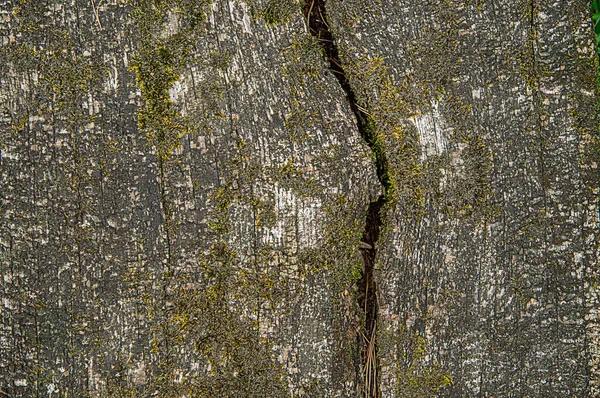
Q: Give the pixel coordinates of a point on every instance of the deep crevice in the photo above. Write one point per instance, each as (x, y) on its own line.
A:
(316, 16)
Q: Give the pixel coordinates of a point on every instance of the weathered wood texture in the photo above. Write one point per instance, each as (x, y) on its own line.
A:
(124, 272)
(196, 233)
(496, 267)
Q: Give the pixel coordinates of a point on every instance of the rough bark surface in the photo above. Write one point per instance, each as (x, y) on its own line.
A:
(495, 267)
(185, 186)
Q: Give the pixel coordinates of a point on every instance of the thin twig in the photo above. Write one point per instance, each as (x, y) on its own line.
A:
(323, 19)
(370, 366)
(308, 15)
(96, 13)
(366, 288)
(363, 110)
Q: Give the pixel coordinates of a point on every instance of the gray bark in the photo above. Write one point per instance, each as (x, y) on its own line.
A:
(197, 232)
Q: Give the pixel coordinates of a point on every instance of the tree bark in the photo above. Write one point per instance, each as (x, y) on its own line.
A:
(272, 198)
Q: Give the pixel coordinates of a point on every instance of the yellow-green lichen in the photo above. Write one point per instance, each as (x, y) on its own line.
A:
(279, 12)
(303, 62)
(387, 132)
(416, 376)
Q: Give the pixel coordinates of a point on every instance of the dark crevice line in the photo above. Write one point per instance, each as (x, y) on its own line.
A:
(316, 16)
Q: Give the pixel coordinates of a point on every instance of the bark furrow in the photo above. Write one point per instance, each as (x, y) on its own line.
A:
(316, 17)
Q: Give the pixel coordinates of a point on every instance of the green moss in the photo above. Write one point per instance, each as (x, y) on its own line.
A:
(279, 12)
(221, 335)
(220, 60)
(350, 13)
(289, 176)
(299, 120)
(213, 312)
(156, 70)
(158, 65)
(394, 145)
(595, 7)
(303, 62)
(416, 377)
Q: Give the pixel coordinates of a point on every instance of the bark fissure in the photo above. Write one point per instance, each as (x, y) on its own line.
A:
(316, 17)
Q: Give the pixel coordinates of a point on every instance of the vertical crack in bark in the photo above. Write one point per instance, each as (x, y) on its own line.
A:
(316, 17)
